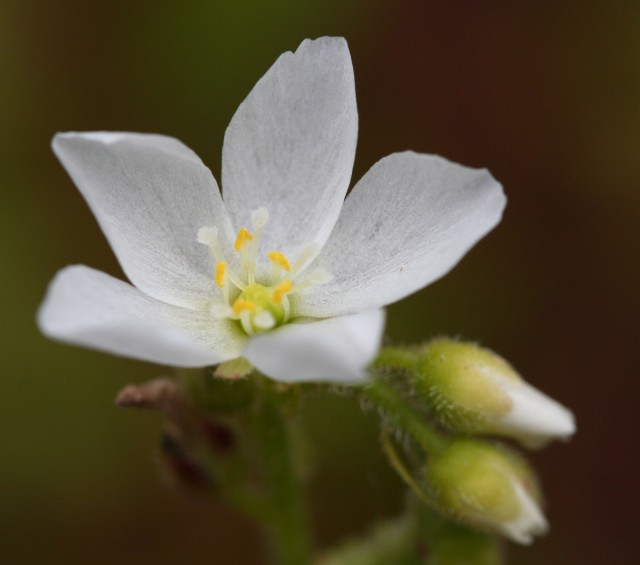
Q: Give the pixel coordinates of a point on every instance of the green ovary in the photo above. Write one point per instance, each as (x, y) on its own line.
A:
(254, 302)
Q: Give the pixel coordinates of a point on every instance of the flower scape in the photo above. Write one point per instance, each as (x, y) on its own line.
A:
(283, 273)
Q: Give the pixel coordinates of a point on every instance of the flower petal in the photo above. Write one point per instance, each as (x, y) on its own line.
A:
(405, 224)
(290, 146)
(150, 195)
(535, 419)
(529, 522)
(336, 349)
(86, 307)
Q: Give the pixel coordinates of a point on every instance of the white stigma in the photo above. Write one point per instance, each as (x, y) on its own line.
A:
(259, 218)
(207, 235)
(264, 320)
(220, 311)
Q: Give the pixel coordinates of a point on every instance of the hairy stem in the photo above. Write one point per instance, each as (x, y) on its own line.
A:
(402, 415)
(287, 521)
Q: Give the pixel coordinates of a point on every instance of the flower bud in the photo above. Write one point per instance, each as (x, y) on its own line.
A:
(489, 488)
(476, 391)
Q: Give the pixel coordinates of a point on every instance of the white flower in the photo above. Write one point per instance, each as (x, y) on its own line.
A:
(297, 290)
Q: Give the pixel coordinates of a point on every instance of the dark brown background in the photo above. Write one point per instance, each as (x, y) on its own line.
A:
(546, 97)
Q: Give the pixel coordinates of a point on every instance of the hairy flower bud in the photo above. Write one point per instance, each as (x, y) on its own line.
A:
(476, 391)
(487, 487)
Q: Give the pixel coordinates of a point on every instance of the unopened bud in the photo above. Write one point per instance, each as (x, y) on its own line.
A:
(489, 488)
(476, 391)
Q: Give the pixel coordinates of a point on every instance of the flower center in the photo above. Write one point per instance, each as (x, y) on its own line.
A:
(258, 306)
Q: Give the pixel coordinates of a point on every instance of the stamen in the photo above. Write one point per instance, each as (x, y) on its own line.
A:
(243, 246)
(308, 252)
(221, 279)
(264, 320)
(279, 260)
(236, 281)
(209, 237)
(244, 236)
(317, 277)
(241, 305)
(221, 274)
(259, 219)
(281, 290)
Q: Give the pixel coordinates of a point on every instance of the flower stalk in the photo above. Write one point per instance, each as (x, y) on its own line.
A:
(287, 519)
(260, 474)
(402, 415)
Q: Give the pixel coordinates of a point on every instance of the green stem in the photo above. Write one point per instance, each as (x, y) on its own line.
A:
(259, 412)
(400, 413)
(395, 358)
(287, 517)
(399, 466)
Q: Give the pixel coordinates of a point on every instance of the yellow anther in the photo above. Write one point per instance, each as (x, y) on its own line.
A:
(244, 236)
(283, 288)
(279, 259)
(241, 305)
(221, 273)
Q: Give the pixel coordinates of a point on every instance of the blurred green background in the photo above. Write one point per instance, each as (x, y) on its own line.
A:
(545, 96)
